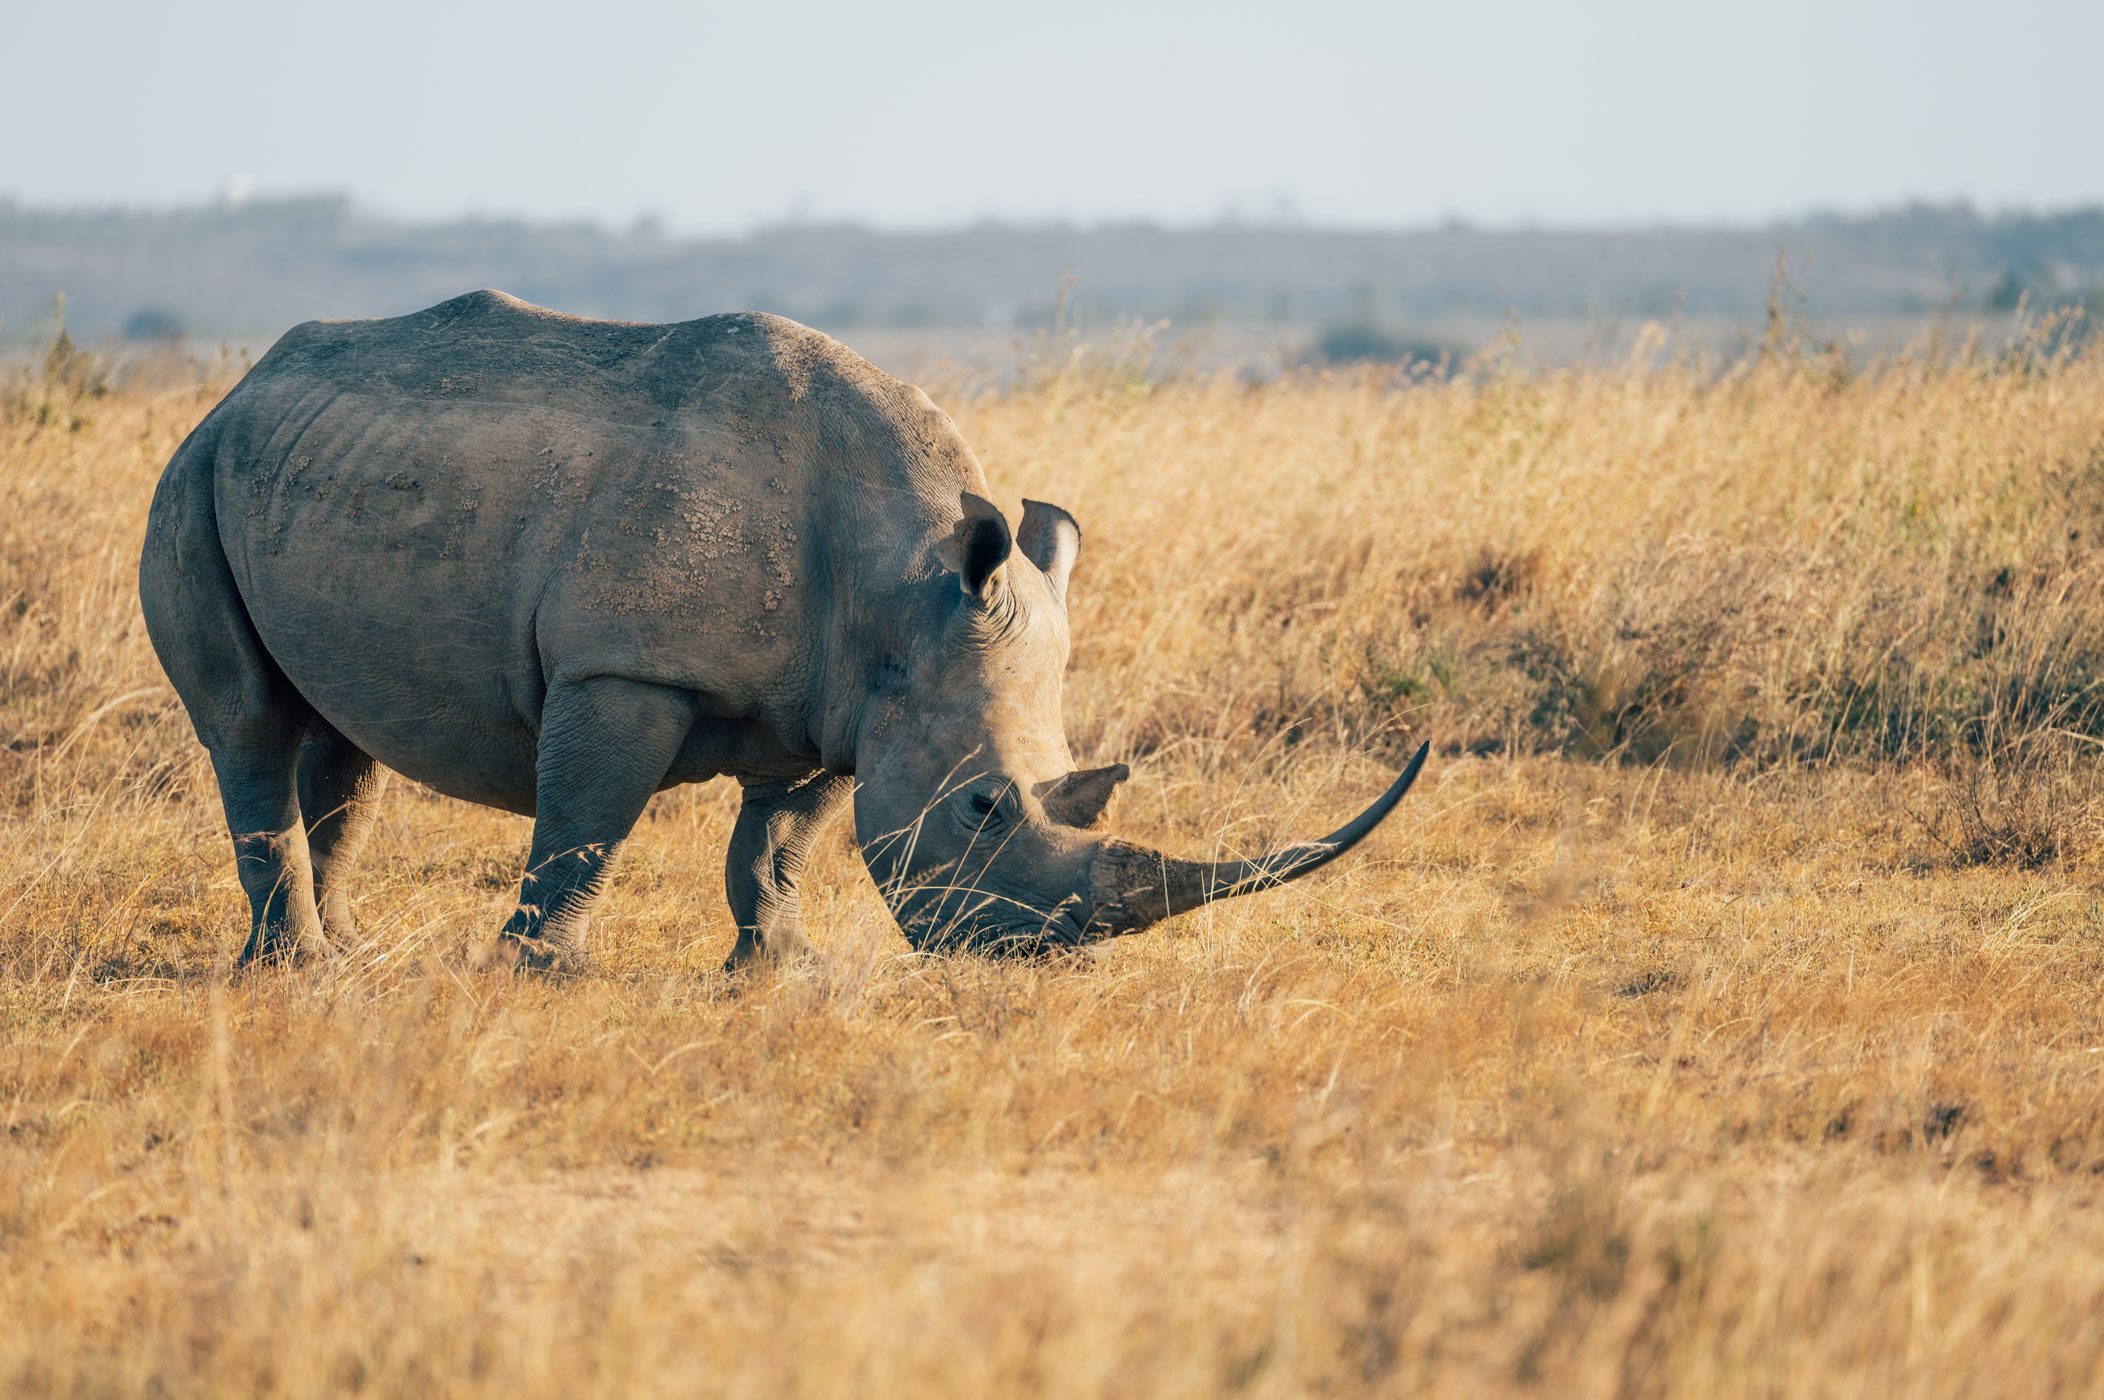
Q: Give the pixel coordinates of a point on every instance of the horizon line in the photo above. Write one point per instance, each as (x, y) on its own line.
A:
(656, 226)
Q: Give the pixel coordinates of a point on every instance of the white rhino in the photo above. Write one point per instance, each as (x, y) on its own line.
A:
(555, 565)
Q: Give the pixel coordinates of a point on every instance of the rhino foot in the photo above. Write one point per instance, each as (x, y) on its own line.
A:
(285, 951)
(779, 949)
(338, 925)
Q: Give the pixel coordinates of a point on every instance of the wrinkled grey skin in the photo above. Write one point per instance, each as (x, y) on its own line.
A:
(556, 565)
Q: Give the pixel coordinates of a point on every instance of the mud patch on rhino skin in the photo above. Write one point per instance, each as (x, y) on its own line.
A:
(689, 532)
(794, 358)
(706, 526)
(781, 552)
(457, 532)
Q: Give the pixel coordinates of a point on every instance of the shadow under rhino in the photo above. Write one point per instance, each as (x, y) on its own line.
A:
(556, 565)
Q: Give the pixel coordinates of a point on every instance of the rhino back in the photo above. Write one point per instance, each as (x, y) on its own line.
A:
(431, 517)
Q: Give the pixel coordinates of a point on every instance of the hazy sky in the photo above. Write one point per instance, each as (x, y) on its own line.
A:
(919, 112)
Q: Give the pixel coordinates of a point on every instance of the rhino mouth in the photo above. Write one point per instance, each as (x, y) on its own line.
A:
(999, 928)
(1017, 942)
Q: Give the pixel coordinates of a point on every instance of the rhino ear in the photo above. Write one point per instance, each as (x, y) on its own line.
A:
(1050, 539)
(978, 546)
(1080, 799)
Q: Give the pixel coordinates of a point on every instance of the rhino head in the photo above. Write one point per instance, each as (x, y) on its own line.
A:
(971, 815)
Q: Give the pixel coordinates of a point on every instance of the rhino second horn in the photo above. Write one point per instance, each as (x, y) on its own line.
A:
(1133, 887)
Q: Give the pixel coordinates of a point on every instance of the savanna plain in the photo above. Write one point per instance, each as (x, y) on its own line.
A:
(1722, 1014)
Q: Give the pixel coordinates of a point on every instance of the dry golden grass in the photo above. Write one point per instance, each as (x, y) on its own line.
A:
(1721, 1015)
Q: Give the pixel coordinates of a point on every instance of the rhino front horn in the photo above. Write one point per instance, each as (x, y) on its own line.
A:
(1132, 887)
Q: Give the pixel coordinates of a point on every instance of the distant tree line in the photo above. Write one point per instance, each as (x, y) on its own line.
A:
(247, 271)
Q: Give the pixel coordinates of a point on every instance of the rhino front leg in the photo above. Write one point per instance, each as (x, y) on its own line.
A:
(605, 746)
(777, 827)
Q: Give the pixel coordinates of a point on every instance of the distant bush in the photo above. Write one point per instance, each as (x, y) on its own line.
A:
(153, 325)
(2006, 293)
(1364, 342)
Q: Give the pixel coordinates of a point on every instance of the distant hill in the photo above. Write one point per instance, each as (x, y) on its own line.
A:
(245, 272)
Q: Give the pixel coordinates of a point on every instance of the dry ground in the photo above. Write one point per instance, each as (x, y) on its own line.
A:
(1721, 1015)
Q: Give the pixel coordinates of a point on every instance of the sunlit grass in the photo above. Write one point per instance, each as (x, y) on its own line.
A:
(1720, 1015)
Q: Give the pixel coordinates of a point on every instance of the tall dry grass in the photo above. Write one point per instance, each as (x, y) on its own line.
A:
(1721, 1015)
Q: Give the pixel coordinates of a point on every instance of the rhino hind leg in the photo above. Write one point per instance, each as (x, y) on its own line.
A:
(777, 827)
(257, 786)
(605, 746)
(340, 787)
(247, 715)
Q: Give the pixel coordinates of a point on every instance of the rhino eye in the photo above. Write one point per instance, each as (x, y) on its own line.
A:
(986, 806)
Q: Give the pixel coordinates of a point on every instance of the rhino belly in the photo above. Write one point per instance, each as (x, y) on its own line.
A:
(429, 690)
